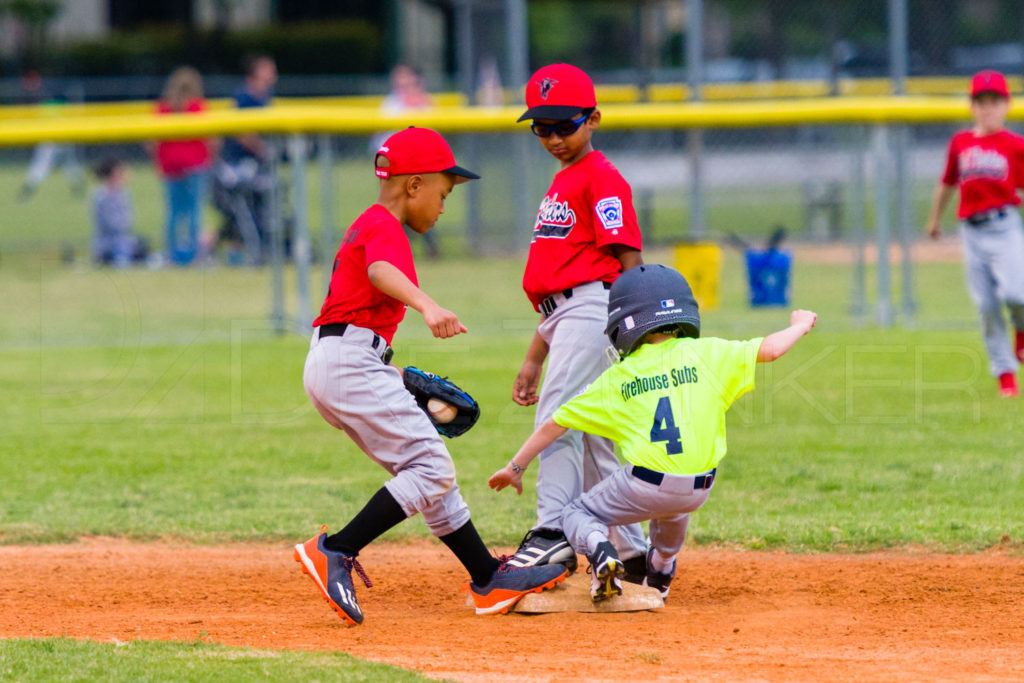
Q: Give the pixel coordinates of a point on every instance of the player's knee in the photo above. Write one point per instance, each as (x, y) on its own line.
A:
(445, 477)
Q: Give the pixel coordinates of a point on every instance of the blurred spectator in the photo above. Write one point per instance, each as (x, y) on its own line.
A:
(407, 93)
(242, 179)
(184, 166)
(48, 154)
(113, 243)
(489, 92)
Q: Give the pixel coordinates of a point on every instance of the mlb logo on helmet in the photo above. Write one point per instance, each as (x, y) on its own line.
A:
(668, 303)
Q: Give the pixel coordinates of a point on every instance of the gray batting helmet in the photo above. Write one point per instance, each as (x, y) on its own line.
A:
(646, 298)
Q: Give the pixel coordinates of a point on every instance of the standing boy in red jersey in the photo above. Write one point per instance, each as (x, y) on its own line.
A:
(585, 235)
(349, 379)
(987, 162)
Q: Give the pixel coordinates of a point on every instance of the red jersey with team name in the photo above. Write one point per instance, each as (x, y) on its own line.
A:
(988, 168)
(375, 236)
(588, 208)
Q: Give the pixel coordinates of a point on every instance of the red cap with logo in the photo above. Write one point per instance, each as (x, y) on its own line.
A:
(419, 150)
(558, 92)
(989, 81)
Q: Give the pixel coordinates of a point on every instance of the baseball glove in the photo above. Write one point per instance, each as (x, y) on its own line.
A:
(426, 385)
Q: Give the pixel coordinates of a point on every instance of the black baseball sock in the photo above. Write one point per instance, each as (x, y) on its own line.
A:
(472, 553)
(378, 515)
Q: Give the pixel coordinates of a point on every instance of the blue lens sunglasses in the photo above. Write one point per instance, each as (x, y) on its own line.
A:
(562, 129)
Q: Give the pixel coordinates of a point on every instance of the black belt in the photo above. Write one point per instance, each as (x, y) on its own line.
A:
(338, 330)
(983, 217)
(548, 306)
(700, 482)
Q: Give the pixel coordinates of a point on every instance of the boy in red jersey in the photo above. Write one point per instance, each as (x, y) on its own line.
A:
(987, 162)
(349, 379)
(585, 235)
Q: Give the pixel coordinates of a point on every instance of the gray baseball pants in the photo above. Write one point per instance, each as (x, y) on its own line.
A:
(994, 259)
(624, 499)
(578, 352)
(355, 391)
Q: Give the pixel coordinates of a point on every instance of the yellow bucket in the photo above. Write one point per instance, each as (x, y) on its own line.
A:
(701, 265)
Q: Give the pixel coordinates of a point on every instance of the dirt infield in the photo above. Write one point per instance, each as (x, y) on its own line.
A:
(732, 615)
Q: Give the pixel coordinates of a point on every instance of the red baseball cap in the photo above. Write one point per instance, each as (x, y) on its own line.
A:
(558, 91)
(419, 150)
(989, 81)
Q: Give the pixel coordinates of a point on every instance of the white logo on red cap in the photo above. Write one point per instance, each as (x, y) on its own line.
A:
(545, 87)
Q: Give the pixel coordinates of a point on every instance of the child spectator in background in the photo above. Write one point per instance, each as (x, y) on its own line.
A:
(113, 243)
(184, 166)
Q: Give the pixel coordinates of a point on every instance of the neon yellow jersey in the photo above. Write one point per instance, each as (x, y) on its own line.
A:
(665, 403)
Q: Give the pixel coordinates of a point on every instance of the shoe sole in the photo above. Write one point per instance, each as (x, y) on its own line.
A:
(608, 589)
(300, 556)
(509, 598)
(570, 562)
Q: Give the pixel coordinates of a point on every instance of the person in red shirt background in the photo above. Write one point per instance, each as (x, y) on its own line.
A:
(351, 382)
(987, 163)
(184, 166)
(585, 235)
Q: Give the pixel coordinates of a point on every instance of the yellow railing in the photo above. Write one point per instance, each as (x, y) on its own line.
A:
(324, 118)
(134, 107)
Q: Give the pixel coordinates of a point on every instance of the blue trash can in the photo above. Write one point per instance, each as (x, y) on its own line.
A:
(768, 275)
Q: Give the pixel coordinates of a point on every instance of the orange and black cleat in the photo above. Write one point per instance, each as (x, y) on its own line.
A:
(332, 573)
(509, 584)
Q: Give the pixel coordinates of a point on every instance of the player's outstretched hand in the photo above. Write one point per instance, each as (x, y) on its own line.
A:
(934, 230)
(802, 318)
(524, 389)
(442, 322)
(506, 476)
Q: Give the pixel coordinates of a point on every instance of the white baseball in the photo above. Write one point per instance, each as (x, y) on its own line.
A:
(441, 411)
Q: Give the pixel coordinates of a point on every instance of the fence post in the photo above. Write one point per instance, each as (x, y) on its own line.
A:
(273, 213)
(301, 247)
(695, 71)
(517, 44)
(883, 306)
(858, 224)
(327, 244)
(904, 218)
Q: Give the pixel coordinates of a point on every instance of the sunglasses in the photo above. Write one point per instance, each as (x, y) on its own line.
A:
(562, 129)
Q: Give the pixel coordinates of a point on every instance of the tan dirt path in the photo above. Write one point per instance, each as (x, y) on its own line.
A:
(732, 615)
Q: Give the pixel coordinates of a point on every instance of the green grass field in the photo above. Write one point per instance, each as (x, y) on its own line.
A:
(156, 404)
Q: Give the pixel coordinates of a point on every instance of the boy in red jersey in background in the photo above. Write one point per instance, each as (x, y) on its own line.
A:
(987, 162)
(585, 235)
(351, 382)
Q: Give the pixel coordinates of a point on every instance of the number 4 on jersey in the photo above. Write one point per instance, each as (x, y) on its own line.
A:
(669, 433)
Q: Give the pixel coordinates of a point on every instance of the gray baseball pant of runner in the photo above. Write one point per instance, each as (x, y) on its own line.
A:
(624, 499)
(994, 260)
(355, 391)
(578, 352)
